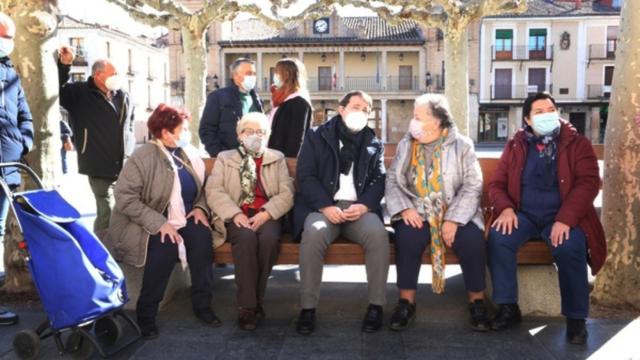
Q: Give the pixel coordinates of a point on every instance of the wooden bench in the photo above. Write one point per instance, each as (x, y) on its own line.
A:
(344, 252)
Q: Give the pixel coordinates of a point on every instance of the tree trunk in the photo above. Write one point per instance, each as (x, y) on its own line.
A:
(195, 53)
(457, 76)
(33, 59)
(618, 284)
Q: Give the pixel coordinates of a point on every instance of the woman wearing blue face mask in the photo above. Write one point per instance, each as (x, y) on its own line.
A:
(544, 187)
(290, 107)
(161, 215)
(249, 190)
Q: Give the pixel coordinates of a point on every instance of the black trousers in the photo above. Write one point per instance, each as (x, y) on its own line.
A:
(469, 246)
(254, 254)
(161, 259)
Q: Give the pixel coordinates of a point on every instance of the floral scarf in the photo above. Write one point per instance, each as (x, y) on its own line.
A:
(429, 187)
(248, 175)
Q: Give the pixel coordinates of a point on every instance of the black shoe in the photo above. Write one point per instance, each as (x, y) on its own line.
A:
(577, 331)
(7, 317)
(306, 321)
(209, 317)
(507, 316)
(247, 319)
(149, 331)
(260, 312)
(372, 319)
(403, 315)
(479, 316)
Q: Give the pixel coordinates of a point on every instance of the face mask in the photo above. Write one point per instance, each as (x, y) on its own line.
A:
(416, 129)
(254, 143)
(545, 124)
(277, 82)
(185, 138)
(113, 83)
(6, 47)
(249, 82)
(356, 121)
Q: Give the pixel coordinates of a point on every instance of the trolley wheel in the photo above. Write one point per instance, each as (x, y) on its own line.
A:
(26, 344)
(79, 346)
(108, 329)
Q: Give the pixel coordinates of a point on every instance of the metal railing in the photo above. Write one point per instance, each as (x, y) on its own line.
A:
(598, 91)
(522, 52)
(517, 92)
(364, 83)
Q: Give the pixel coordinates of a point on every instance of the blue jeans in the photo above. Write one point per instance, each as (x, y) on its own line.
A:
(570, 258)
(63, 157)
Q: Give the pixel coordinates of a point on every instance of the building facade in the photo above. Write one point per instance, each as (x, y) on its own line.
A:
(564, 47)
(393, 63)
(142, 62)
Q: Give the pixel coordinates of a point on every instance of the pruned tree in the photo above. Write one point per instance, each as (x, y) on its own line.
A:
(618, 284)
(36, 24)
(453, 17)
(192, 26)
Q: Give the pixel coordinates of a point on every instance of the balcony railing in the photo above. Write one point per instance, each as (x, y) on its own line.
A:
(517, 92)
(522, 53)
(364, 83)
(598, 91)
(603, 51)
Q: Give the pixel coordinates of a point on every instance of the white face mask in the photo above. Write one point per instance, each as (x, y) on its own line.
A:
(185, 138)
(113, 83)
(6, 47)
(249, 82)
(254, 143)
(277, 82)
(356, 121)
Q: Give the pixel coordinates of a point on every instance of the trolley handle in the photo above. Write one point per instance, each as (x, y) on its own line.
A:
(24, 168)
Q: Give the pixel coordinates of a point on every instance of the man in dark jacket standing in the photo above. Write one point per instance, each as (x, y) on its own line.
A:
(101, 117)
(226, 106)
(340, 182)
(16, 130)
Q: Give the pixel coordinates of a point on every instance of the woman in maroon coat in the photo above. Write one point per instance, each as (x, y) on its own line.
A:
(544, 187)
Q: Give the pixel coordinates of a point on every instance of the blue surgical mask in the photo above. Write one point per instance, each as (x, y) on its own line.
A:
(545, 124)
(277, 82)
(249, 82)
(185, 139)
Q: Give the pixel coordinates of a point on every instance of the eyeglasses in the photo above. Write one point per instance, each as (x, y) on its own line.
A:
(258, 132)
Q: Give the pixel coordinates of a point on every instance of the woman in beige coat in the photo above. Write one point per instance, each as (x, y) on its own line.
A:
(160, 216)
(250, 190)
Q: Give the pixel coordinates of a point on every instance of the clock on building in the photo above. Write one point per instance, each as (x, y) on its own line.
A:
(321, 26)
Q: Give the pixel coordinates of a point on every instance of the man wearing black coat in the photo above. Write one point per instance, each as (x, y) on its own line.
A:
(101, 117)
(226, 106)
(340, 179)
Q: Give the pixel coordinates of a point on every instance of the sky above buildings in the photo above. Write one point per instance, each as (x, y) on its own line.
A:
(105, 13)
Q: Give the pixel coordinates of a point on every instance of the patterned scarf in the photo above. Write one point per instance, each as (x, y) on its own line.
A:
(547, 142)
(248, 175)
(429, 187)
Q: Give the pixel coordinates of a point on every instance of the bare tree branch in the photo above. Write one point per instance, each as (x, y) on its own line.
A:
(147, 18)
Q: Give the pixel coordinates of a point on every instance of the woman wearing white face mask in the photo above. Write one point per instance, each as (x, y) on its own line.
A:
(544, 187)
(161, 216)
(290, 107)
(249, 191)
(433, 196)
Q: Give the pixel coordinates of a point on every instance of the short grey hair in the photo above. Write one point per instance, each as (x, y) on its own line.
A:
(99, 65)
(239, 61)
(256, 118)
(439, 106)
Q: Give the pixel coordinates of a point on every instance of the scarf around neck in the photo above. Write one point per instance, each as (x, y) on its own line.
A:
(248, 175)
(351, 143)
(429, 187)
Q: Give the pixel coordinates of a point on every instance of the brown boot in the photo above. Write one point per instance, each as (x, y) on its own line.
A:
(247, 319)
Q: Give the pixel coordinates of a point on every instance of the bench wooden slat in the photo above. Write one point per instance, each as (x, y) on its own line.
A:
(348, 253)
